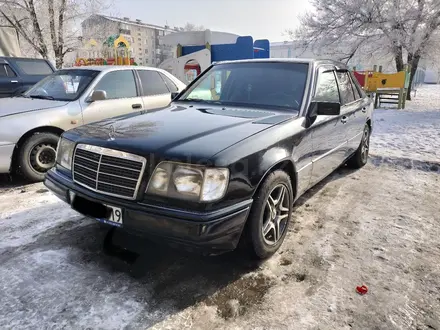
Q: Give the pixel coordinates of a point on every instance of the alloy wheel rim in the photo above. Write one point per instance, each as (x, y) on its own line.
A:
(365, 145)
(275, 215)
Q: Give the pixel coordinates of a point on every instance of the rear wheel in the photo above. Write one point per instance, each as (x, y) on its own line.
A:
(270, 216)
(37, 155)
(360, 157)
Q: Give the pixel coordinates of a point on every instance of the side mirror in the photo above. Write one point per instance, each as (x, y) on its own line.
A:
(328, 108)
(317, 108)
(174, 95)
(98, 96)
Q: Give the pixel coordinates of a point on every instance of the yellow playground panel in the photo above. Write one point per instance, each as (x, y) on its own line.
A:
(390, 88)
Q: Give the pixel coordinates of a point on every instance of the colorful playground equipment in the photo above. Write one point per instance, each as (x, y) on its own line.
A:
(389, 88)
(196, 50)
(114, 51)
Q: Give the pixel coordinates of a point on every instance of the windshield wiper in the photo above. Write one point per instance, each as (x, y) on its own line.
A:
(43, 97)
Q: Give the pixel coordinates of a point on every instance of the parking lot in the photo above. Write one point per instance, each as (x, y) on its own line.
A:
(379, 226)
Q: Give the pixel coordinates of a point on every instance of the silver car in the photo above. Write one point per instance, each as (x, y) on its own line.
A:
(31, 124)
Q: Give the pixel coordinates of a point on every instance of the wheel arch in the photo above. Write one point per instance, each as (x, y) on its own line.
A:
(42, 129)
(287, 166)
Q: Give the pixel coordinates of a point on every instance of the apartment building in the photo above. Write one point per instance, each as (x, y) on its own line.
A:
(143, 37)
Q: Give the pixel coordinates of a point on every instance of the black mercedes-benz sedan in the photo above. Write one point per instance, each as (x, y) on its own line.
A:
(224, 163)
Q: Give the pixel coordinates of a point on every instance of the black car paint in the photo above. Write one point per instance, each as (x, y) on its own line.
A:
(12, 86)
(250, 142)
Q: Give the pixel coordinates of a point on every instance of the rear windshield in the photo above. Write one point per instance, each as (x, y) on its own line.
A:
(254, 84)
(34, 68)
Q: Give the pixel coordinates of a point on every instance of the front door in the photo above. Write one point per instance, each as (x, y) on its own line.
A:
(329, 134)
(154, 90)
(122, 97)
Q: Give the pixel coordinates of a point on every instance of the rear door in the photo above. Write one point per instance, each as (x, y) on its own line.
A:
(122, 97)
(351, 105)
(359, 116)
(154, 89)
(10, 84)
(329, 135)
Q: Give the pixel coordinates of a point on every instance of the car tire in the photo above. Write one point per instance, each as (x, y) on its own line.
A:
(37, 155)
(255, 242)
(360, 157)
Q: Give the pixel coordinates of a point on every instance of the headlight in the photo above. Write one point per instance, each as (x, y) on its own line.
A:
(189, 182)
(65, 153)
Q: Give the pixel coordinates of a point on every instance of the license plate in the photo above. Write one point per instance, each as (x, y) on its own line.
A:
(115, 216)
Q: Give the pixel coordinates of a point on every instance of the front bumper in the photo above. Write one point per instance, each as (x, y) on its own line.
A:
(6, 152)
(208, 232)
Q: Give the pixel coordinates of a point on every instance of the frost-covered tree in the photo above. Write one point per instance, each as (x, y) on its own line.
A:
(193, 27)
(405, 29)
(50, 27)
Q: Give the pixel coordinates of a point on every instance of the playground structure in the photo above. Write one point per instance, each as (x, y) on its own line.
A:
(195, 51)
(389, 88)
(114, 51)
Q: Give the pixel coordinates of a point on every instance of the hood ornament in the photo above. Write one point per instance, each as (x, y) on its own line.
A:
(111, 133)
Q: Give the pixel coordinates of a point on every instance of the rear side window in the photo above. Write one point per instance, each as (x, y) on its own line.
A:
(118, 84)
(34, 68)
(327, 88)
(358, 92)
(3, 72)
(152, 83)
(170, 84)
(345, 87)
(6, 71)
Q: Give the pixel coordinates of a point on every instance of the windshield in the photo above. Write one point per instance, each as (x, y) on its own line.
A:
(63, 85)
(256, 84)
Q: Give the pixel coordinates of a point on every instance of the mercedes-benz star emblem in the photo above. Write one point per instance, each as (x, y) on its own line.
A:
(111, 134)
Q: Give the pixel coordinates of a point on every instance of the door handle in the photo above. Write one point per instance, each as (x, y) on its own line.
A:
(136, 106)
(364, 109)
(344, 120)
(14, 81)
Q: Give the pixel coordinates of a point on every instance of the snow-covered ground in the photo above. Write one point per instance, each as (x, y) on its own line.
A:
(378, 226)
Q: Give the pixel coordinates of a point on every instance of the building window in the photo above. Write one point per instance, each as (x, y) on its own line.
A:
(146, 51)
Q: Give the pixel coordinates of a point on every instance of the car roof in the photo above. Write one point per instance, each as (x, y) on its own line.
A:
(107, 68)
(310, 61)
(5, 59)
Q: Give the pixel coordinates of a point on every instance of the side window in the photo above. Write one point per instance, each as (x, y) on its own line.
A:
(152, 83)
(358, 92)
(345, 87)
(327, 88)
(34, 68)
(3, 72)
(9, 71)
(118, 84)
(171, 86)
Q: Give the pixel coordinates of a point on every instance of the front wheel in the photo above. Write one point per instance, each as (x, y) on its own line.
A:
(360, 157)
(270, 216)
(37, 155)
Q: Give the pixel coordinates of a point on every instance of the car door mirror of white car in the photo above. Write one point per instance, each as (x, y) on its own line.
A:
(174, 95)
(98, 96)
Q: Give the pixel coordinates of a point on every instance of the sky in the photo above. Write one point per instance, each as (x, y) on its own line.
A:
(261, 19)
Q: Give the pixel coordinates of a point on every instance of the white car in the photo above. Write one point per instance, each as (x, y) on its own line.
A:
(31, 123)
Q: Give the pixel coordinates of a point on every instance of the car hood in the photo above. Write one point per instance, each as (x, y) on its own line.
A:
(181, 130)
(15, 105)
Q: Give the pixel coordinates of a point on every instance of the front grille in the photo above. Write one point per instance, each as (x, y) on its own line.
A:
(108, 171)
